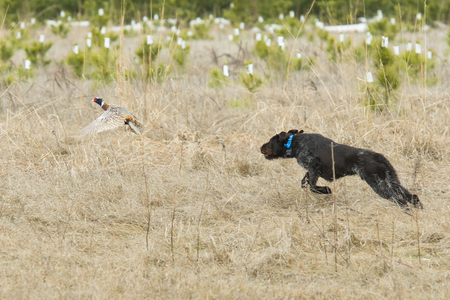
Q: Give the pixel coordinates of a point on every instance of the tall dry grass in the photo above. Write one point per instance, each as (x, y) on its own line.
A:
(118, 216)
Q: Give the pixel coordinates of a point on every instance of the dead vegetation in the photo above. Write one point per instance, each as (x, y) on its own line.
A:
(118, 216)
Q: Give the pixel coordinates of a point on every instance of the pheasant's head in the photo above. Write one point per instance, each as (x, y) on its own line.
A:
(98, 100)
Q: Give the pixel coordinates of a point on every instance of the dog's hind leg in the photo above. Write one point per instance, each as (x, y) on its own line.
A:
(391, 189)
(385, 189)
(400, 192)
(383, 179)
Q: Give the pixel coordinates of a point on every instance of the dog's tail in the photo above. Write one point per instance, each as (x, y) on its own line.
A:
(400, 193)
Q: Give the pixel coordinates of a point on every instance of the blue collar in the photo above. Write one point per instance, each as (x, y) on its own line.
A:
(289, 142)
(288, 146)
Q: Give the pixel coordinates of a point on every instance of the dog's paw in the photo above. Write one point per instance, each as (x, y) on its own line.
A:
(416, 202)
(304, 182)
(321, 190)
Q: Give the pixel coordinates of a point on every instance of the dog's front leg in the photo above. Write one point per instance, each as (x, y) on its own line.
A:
(305, 180)
(314, 171)
(313, 177)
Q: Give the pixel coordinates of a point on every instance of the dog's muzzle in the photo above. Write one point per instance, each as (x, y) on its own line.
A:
(267, 153)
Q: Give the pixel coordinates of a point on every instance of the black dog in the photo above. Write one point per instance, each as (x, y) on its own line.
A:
(313, 152)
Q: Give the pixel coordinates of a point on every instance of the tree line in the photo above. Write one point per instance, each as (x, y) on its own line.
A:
(248, 11)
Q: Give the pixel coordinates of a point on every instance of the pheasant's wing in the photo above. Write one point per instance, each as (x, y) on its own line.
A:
(108, 120)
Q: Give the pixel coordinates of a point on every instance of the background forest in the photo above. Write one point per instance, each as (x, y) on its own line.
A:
(331, 12)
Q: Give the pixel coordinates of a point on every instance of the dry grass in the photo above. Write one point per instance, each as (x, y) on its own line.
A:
(75, 215)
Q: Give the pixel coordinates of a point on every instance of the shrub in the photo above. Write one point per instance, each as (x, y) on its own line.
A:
(19, 74)
(240, 103)
(372, 97)
(387, 76)
(98, 39)
(323, 35)
(19, 43)
(415, 63)
(145, 28)
(384, 28)
(297, 64)
(239, 11)
(76, 61)
(359, 53)
(217, 78)
(160, 72)
(180, 55)
(143, 52)
(382, 56)
(62, 29)
(37, 51)
(201, 31)
(99, 21)
(274, 56)
(251, 82)
(103, 60)
(91, 9)
(6, 50)
(335, 48)
(261, 49)
(276, 59)
(448, 38)
(291, 28)
(149, 53)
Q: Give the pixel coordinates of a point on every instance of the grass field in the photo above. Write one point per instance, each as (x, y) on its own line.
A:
(192, 210)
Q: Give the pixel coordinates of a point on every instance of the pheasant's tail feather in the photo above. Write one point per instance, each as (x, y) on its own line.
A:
(136, 127)
(85, 132)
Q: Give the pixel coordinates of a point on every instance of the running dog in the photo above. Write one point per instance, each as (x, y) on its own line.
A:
(313, 152)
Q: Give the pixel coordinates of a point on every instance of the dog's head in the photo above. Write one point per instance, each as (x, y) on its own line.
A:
(275, 147)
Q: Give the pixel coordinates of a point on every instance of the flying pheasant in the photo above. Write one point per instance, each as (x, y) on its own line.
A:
(113, 117)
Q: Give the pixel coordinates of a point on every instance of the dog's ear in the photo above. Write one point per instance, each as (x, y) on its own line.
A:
(294, 131)
(282, 136)
(301, 131)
